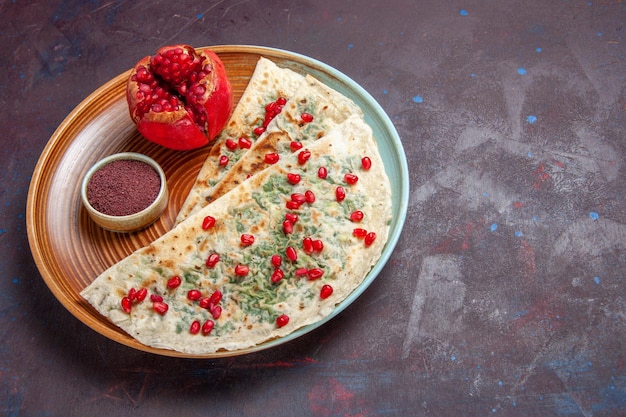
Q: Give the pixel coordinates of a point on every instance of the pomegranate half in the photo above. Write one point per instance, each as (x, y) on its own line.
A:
(180, 97)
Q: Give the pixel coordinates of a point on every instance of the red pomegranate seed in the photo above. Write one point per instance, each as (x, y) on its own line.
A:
(304, 156)
(216, 297)
(155, 298)
(242, 270)
(141, 294)
(298, 198)
(351, 178)
(291, 253)
(259, 130)
(195, 327)
(295, 146)
(247, 239)
(231, 144)
(277, 275)
(212, 260)
(292, 205)
(271, 158)
(216, 312)
(307, 245)
(315, 273)
(306, 117)
(194, 295)
(326, 291)
(160, 307)
(207, 327)
(223, 160)
(301, 271)
(322, 172)
(370, 238)
(309, 196)
(366, 163)
(287, 227)
(127, 304)
(174, 282)
(293, 178)
(359, 233)
(244, 142)
(132, 293)
(204, 302)
(318, 245)
(208, 222)
(281, 101)
(282, 320)
(292, 217)
(277, 260)
(340, 194)
(357, 216)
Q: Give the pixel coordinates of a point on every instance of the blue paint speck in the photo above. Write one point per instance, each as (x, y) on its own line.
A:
(350, 45)
(472, 75)
(519, 234)
(453, 358)
(596, 280)
(530, 154)
(494, 227)
(531, 119)
(521, 71)
(199, 16)
(418, 99)
(538, 50)
(463, 12)
(339, 19)
(385, 91)
(16, 281)
(599, 33)
(594, 216)
(485, 194)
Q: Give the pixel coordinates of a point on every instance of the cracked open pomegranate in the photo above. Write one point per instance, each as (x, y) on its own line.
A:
(180, 97)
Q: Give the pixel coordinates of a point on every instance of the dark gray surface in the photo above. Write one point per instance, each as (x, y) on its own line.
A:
(505, 295)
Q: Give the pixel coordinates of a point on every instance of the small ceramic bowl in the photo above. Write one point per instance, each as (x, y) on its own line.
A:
(131, 222)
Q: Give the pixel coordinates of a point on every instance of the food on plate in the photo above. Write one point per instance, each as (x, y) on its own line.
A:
(180, 97)
(307, 114)
(275, 253)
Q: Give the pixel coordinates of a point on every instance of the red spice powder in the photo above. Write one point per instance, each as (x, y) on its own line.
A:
(123, 187)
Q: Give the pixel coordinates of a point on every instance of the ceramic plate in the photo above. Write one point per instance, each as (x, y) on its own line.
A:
(71, 251)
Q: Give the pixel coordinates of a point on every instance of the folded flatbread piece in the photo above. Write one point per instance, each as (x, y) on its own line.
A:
(250, 302)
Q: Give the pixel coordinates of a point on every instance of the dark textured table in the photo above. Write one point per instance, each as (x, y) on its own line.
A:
(505, 295)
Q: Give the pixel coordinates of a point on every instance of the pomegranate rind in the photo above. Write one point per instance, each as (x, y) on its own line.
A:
(176, 129)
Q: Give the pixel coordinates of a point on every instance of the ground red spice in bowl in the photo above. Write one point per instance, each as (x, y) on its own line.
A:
(123, 187)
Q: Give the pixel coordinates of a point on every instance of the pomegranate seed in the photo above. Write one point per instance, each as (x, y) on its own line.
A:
(304, 156)
(351, 178)
(340, 194)
(370, 238)
(174, 282)
(292, 217)
(247, 239)
(287, 227)
(277, 260)
(307, 245)
(208, 222)
(259, 130)
(366, 163)
(160, 307)
(282, 320)
(155, 298)
(271, 158)
(322, 172)
(318, 245)
(141, 294)
(277, 275)
(315, 273)
(132, 294)
(223, 160)
(195, 327)
(295, 146)
(281, 101)
(244, 142)
(231, 144)
(291, 253)
(204, 302)
(194, 295)
(326, 291)
(301, 271)
(207, 327)
(127, 304)
(292, 205)
(293, 178)
(357, 216)
(359, 233)
(242, 270)
(212, 260)
(309, 196)
(298, 198)
(216, 312)
(306, 117)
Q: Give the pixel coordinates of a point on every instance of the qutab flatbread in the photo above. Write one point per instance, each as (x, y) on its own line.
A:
(229, 267)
